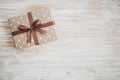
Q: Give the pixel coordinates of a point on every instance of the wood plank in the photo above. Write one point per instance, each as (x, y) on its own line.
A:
(88, 45)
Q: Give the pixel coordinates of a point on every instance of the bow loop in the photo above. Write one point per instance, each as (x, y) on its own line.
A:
(22, 27)
(35, 23)
(36, 26)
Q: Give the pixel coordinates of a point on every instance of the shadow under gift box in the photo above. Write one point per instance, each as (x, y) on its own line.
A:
(22, 40)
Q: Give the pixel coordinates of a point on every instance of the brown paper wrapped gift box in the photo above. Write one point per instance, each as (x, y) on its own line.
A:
(22, 37)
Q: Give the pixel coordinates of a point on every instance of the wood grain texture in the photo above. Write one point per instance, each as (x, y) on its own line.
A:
(88, 45)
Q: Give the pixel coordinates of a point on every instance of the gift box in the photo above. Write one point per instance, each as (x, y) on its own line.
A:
(32, 28)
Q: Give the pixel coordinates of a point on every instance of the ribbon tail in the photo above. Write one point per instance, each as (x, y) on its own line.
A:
(35, 37)
(29, 36)
(41, 31)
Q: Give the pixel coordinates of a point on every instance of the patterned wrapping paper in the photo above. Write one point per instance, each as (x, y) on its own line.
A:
(43, 14)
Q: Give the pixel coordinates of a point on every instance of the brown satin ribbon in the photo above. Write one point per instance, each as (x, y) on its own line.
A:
(34, 26)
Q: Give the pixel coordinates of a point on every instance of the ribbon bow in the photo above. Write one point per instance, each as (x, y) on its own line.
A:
(36, 26)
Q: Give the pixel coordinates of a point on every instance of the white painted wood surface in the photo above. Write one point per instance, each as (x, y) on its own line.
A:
(88, 45)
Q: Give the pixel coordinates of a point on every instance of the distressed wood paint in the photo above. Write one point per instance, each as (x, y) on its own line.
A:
(88, 45)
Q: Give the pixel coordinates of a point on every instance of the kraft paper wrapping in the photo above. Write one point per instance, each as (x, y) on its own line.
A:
(43, 14)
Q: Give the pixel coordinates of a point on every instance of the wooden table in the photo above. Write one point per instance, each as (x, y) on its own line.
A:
(88, 45)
